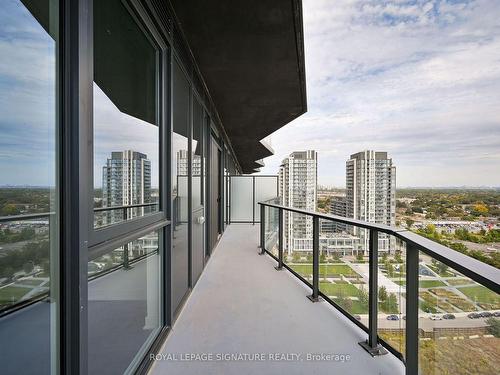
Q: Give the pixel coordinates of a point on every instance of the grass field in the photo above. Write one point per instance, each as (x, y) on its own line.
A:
(325, 270)
(482, 295)
(459, 281)
(356, 307)
(33, 282)
(338, 289)
(11, 294)
(430, 283)
(432, 301)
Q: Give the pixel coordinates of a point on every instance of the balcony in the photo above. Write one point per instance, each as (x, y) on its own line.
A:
(244, 315)
(242, 305)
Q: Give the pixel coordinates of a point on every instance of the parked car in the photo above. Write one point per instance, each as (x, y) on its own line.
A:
(392, 317)
(435, 317)
(485, 314)
(404, 317)
(357, 317)
(474, 316)
(496, 314)
(448, 316)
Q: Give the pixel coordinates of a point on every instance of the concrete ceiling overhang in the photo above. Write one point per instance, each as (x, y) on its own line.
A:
(251, 56)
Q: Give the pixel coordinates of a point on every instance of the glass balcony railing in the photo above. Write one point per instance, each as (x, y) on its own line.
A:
(25, 272)
(434, 308)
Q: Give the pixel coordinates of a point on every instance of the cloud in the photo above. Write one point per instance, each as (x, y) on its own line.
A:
(419, 79)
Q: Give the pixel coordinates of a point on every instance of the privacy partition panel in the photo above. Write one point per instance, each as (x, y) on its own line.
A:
(245, 194)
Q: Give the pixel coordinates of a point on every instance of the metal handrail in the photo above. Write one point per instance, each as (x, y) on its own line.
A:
(476, 270)
(44, 295)
(4, 219)
(479, 271)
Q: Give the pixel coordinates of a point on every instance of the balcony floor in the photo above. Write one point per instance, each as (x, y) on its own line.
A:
(241, 304)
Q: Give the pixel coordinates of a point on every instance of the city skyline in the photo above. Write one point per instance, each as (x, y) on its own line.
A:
(401, 96)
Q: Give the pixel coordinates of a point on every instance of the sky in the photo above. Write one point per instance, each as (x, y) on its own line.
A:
(418, 79)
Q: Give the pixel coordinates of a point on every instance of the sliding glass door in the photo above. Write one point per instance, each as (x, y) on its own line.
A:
(128, 193)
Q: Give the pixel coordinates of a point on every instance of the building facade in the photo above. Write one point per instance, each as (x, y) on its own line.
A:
(126, 180)
(371, 193)
(298, 176)
(338, 206)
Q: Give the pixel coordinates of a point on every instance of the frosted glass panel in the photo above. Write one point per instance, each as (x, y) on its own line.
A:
(265, 188)
(241, 198)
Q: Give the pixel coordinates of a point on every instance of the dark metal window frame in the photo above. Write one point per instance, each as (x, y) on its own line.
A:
(100, 235)
(79, 242)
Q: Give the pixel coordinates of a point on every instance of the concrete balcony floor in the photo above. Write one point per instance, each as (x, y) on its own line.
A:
(241, 304)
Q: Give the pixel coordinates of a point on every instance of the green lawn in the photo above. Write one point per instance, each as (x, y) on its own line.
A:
(482, 294)
(459, 281)
(357, 308)
(325, 270)
(430, 283)
(338, 289)
(33, 282)
(11, 294)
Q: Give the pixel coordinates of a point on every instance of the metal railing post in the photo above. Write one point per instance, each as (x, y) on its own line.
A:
(314, 297)
(411, 309)
(279, 267)
(126, 263)
(253, 200)
(262, 229)
(372, 345)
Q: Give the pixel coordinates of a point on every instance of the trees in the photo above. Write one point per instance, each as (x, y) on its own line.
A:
(442, 268)
(389, 268)
(409, 222)
(359, 256)
(392, 303)
(9, 209)
(382, 293)
(493, 326)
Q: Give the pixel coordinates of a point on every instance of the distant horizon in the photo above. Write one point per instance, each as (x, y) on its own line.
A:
(419, 80)
(471, 187)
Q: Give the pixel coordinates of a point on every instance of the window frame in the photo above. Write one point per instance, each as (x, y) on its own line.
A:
(113, 232)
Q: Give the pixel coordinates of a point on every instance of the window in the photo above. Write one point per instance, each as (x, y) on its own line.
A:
(29, 186)
(126, 121)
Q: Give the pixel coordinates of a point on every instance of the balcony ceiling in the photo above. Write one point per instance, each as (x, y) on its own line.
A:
(251, 56)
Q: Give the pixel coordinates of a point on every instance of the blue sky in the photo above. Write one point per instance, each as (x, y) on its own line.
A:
(27, 98)
(418, 79)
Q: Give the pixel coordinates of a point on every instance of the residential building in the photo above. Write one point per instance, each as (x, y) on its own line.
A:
(371, 194)
(298, 188)
(126, 180)
(338, 206)
(87, 78)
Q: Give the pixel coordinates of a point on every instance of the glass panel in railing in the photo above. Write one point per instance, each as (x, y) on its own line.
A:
(123, 305)
(392, 291)
(343, 268)
(266, 188)
(271, 234)
(242, 199)
(459, 322)
(298, 243)
(25, 261)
